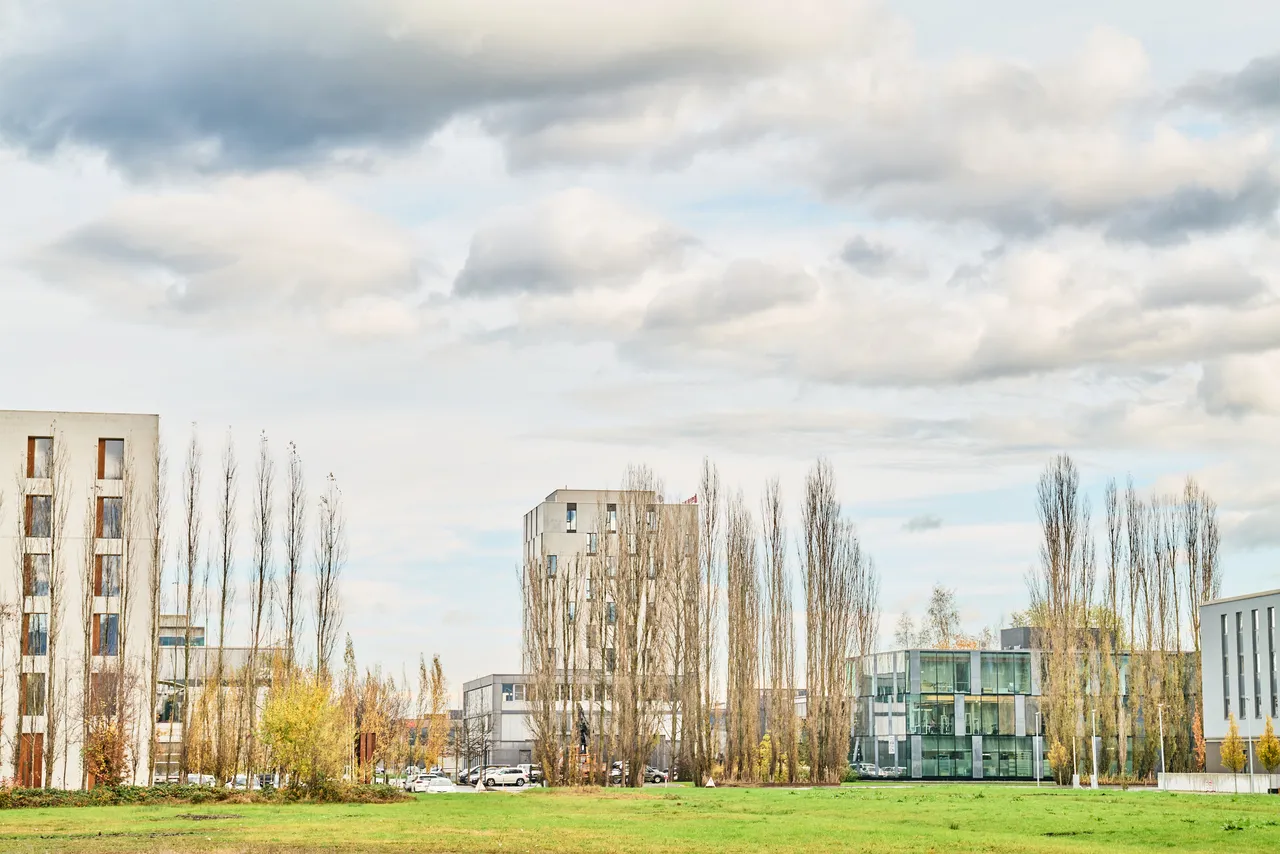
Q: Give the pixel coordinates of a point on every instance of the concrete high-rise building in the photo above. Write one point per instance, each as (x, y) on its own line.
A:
(76, 552)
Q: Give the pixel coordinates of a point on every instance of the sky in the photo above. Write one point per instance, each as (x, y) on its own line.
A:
(463, 253)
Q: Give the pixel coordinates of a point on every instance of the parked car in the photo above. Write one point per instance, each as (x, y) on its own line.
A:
(533, 772)
(653, 775)
(422, 782)
(509, 775)
(440, 784)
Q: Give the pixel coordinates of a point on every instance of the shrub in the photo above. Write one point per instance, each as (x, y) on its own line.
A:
(179, 794)
(849, 775)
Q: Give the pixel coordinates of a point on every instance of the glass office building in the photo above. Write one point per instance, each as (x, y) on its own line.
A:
(946, 714)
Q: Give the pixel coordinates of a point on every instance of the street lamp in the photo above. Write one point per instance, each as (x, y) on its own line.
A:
(1093, 748)
(1248, 729)
(1163, 769)
(1039, 770)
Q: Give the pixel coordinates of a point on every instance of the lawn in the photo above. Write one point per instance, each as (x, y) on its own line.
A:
(939, 818)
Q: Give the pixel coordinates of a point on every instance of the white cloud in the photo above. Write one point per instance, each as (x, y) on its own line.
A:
(572, 240)
(244, 250)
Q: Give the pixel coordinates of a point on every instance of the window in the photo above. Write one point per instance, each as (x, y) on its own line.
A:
(104, 692)
(1240, 660)
(40, 516)
(508, 692)
(611, 613)
(573, 611)
(35, 581)
(610, 659)
(35, 634)
(1257, 670)
(589, 587)
(109, 573)
(1271, 648)
(612, 512)
(31, 694)
(571, 519)
(1226, 671)
(593, 543)
(39, 456)
(552, 565)
(593, 636)
(611, 565)
(651, 518)
(110, 518)
(110, 459)
(106, 634)
(653, 566)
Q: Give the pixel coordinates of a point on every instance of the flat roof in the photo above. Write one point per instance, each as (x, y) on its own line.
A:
(1241, 598)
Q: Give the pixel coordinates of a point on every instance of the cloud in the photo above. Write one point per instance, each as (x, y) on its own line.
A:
(204, 85)
(873, 258)
(1250, 91)
(1242, 385)
(573, 240)
(244, 250)
(1226, 285)
(927, 522)
(745, 288)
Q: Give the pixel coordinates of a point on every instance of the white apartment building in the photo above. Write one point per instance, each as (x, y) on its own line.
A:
(76, 544)
(1238, 668)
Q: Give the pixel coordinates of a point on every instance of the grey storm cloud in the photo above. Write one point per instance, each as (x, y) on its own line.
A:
(927, 522)
(214, 86)
(1192, 210)
(1255, 88)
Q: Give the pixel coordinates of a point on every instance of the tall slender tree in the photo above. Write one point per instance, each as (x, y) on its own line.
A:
(330, 558)
(779, 640)
(295, 532)
(192, 526)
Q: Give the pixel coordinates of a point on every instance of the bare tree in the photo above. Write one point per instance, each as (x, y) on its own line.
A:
(295, 531)
(941, 626)
(262, 585)
(331, 556)
(701, 615)
(225, 740)
(192, 526)
(779, 641)
(157, 517)
(841, 614)
(742, 580)
(57, 509)
(1062, 590)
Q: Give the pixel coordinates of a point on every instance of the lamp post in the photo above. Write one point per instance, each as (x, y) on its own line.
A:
(1039, 770)
(1093, 749)
(1248, 730)
(1163, 769)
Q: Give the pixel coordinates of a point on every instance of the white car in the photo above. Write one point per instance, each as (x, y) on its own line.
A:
(423, 782)
(440, 785)
(506, 776)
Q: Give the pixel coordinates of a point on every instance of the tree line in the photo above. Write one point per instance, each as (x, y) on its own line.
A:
(630, 642)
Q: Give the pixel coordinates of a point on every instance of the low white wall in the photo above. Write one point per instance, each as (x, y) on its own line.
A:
(1229, 783)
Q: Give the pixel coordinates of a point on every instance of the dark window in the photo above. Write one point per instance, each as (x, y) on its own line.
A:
(107, 635)
(610, 659)
(1257, 669)
(110, 459)
(1240, 660)
(571, 518)
(31, 696)
(1271, 648)
(39, 456)
(35, 581)
(109, 575)
(40, 516)
(110, 518)
(35, 634)
(552, 565)
(1226, 670)
(612, 511)
(611, 613)
(593, 543)
(651, 518)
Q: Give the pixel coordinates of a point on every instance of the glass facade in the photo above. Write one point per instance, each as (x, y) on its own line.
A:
(946, 714)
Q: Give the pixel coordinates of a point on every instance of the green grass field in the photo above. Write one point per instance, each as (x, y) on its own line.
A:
(860, 818)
